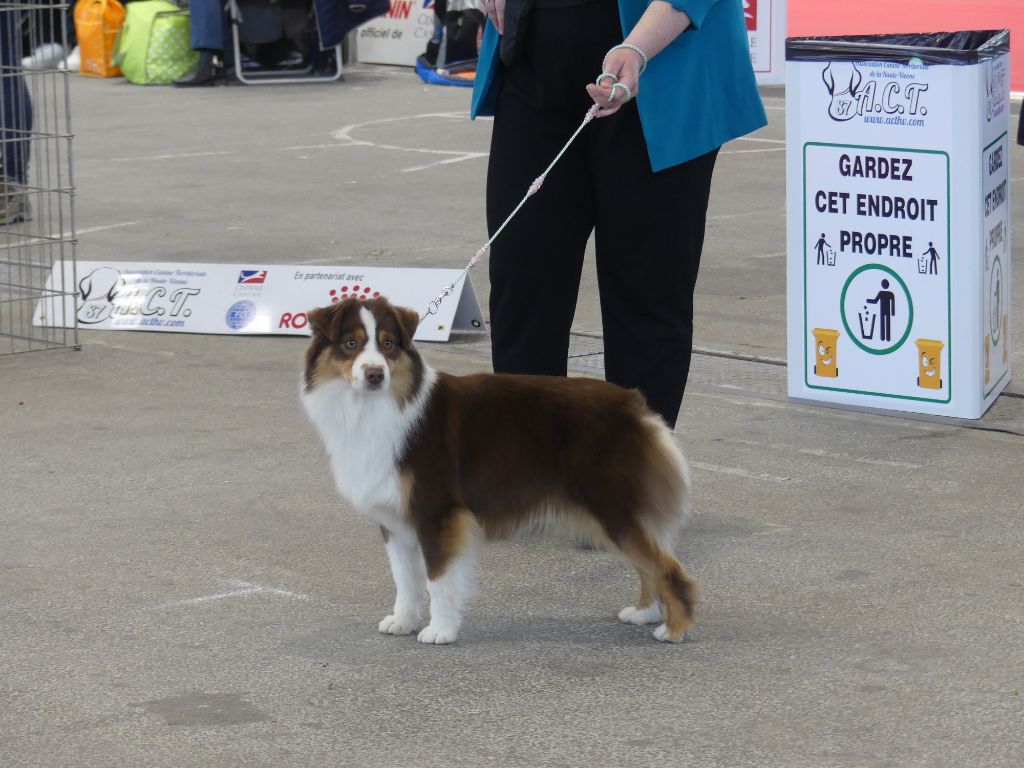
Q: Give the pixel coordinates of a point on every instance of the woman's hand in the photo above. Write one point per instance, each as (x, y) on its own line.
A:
(659, 26)
(495, 10)
(624, 63)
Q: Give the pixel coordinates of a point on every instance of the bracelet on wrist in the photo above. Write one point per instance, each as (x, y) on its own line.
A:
(641, 54)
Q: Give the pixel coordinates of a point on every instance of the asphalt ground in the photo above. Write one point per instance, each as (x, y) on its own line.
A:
(180, 585)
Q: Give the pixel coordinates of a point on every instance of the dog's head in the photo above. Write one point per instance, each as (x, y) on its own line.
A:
(367, 346)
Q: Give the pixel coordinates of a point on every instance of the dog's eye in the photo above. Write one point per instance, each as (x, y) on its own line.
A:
(388, 344)
(351, 343)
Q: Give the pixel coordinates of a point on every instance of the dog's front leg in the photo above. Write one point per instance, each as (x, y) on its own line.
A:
(447, 543)
(410, 575)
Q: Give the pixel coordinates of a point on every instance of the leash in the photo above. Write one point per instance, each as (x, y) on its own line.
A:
(536, 185)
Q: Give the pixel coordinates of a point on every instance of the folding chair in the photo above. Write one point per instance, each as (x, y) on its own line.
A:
(266, 22)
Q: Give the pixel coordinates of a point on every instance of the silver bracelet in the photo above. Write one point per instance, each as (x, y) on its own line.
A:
(643, 56)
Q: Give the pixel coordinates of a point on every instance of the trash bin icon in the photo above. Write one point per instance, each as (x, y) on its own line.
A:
(830, 257)
(929, 363)
(922, 265)
(825, 363)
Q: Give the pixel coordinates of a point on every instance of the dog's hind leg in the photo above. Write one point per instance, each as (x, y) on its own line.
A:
(678, 592)
(447, 543)
(648, 608)
(410, 575)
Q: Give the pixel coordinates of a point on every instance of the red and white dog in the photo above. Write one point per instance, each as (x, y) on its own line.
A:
(435, 459)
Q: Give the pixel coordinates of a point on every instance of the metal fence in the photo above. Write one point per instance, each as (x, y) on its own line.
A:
(36, 190)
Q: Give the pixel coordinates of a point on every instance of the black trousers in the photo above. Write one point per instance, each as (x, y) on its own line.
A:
(648, 227)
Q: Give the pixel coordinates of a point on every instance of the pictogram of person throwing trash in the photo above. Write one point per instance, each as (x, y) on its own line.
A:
(886, 301)
(933, 259)
(820, 247)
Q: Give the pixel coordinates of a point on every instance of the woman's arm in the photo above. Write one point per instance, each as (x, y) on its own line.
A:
(659, 26)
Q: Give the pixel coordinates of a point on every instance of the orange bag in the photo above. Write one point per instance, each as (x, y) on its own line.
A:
(97, 23)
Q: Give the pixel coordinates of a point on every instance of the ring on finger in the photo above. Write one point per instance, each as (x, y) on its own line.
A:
(603, 75)
(623, 86)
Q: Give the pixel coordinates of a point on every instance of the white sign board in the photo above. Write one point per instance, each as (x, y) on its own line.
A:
(876, 232)
(399, 36)
(898, 234)
(766, 34)
(243, 299)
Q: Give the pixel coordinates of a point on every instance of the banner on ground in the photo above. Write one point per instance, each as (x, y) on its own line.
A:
(241, 299)
(399, 36)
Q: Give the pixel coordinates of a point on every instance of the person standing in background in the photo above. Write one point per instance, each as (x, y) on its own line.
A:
(672, 81)
(15, 123)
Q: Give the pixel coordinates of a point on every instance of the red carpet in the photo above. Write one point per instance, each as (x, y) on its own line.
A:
(848, 17)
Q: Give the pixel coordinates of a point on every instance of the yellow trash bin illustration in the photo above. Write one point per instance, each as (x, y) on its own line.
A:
(825, 363)
(929, 363)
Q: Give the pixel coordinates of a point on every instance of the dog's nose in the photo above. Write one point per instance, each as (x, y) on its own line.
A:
(374, 376)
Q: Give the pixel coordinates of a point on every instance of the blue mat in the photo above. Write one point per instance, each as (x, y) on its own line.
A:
(431, 76)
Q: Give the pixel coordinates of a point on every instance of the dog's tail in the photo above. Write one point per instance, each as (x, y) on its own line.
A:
(671, 497)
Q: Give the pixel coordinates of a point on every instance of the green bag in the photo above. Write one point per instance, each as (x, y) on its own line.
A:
(154, 46)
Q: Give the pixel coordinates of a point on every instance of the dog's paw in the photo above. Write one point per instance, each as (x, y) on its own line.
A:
(662, 634)
(397, 625)
(436, 635)
(649, 614)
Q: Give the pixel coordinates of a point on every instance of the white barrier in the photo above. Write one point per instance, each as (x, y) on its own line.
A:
(239, 299)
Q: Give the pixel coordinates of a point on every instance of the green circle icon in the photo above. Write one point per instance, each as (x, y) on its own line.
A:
(910, 310)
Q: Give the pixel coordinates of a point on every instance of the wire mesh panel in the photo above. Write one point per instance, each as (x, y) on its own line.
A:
(36, 191)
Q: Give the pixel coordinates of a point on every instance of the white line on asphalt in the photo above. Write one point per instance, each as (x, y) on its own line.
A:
(449, 161)
(822, 453)
(245, 588)
(763, 141)
(737, 472)
(767, 255)
(181, 156)
(59, 235)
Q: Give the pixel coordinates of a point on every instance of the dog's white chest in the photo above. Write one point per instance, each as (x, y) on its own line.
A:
(364, 437)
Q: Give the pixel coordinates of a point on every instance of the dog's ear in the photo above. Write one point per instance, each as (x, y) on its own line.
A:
(323, 320)
(408, 322)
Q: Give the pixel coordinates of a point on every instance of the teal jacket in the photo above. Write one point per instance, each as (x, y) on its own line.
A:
(695, 95)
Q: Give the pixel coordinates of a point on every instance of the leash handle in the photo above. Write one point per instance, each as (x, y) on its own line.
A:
(434, 305)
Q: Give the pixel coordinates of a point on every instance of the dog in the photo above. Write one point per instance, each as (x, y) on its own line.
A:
(438, 460)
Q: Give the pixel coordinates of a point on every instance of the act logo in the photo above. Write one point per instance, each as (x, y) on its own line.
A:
(104, 294)
(842, 79)
(750, 14)
(96, 294)
(892, 98)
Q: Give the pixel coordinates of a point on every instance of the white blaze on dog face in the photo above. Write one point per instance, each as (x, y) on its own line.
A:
(370, 369)
(367, 345)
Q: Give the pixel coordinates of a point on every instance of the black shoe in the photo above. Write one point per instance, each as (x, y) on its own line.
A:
(207, 71)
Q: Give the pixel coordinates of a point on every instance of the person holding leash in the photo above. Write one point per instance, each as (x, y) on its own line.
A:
(672, 81)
